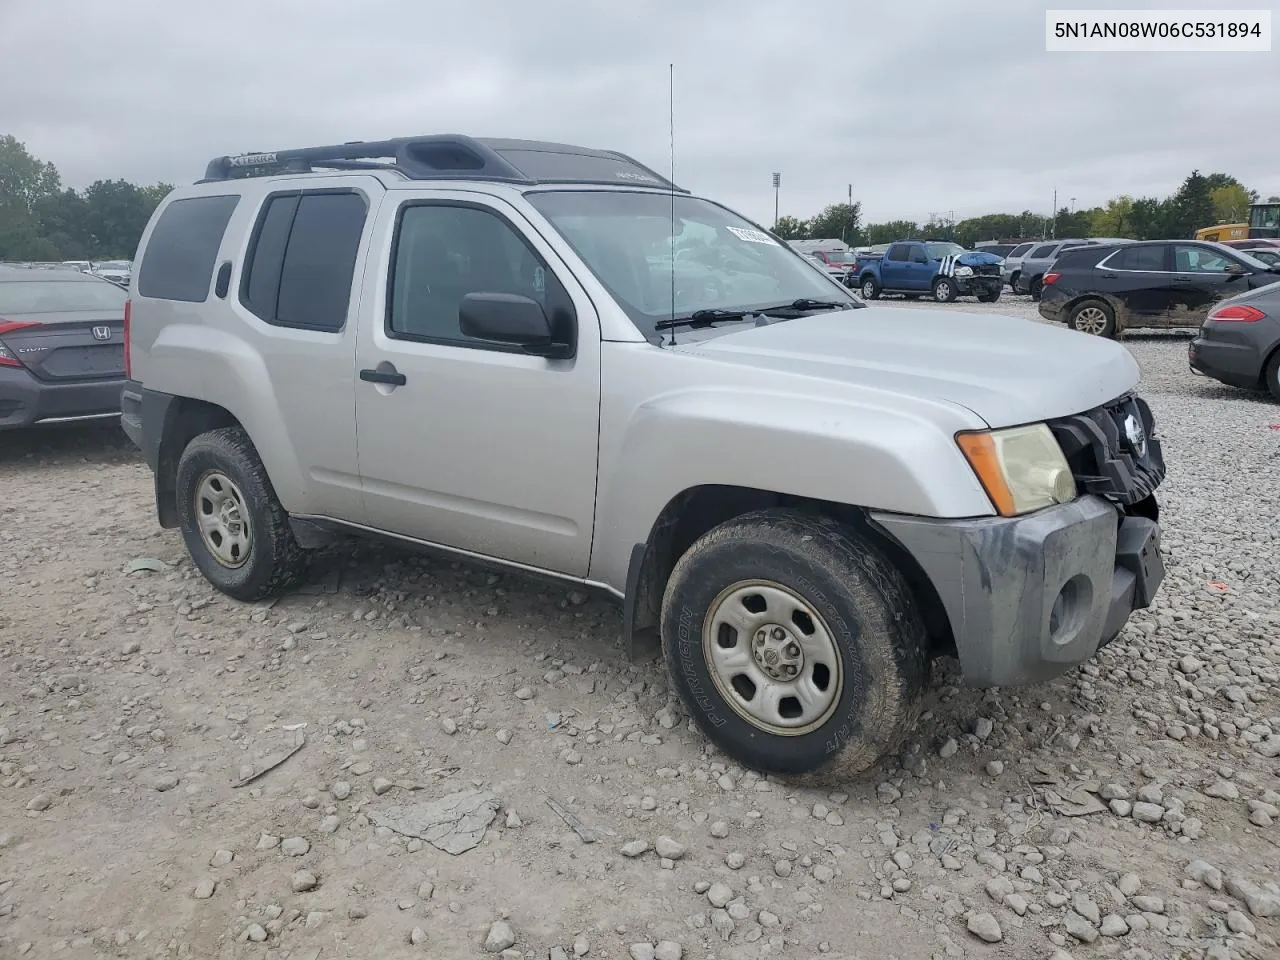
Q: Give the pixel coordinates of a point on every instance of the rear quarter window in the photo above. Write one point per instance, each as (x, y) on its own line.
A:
(178, 261)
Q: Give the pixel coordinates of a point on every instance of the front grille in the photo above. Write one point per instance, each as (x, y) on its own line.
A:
(1105, 448)
(987, 270)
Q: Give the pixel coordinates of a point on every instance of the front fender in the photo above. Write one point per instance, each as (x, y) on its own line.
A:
(204, 363)
(867, 455)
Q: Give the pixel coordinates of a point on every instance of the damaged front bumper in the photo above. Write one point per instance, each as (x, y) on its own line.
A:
(1030, 597)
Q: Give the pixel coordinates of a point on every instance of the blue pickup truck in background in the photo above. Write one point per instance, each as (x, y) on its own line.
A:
(935, 268)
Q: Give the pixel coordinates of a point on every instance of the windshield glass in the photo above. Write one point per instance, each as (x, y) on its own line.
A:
(721, 262)
(837, 256)
(1265, 215)
(937, 251)
(114, 265)
(59, 296)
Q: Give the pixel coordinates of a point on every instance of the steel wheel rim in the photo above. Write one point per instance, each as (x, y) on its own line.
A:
(223, 519)
(772, 658)
(868, 290)
(1091, 320)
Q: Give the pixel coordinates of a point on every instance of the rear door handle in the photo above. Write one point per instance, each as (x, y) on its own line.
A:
(392, 377)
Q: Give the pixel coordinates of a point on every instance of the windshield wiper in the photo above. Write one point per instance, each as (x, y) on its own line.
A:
(703, 318)
(707, 317)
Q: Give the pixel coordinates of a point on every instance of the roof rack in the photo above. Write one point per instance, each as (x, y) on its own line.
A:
(449, 157)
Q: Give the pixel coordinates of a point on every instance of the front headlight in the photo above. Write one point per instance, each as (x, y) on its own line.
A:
(964, 271)
(1021, 468)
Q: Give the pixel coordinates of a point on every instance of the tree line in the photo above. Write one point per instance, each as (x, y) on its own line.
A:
(1201, 201)
(43, 220)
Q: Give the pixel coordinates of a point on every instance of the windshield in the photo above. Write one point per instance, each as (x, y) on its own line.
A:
(1246, 256)
(60, 296)
(114, 265)
(1265, 216)
(721, 262)
(937, 251)
(838, 256)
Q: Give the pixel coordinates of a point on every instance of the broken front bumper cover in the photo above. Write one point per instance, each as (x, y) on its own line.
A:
(1030, 597)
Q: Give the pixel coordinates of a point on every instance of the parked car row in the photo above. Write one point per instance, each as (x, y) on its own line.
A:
(117, 271)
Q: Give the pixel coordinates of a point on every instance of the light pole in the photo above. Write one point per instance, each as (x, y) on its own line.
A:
(777, 183)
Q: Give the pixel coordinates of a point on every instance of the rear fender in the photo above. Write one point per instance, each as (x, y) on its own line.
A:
(203, 363)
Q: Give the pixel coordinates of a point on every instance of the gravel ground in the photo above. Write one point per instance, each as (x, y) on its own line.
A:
(1126, 810)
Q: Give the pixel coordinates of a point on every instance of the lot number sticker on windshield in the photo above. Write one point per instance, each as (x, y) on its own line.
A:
(750, 236)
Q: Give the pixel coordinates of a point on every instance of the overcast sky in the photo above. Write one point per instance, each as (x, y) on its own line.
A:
(923, 105)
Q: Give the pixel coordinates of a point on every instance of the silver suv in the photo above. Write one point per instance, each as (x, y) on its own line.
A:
(553, 359)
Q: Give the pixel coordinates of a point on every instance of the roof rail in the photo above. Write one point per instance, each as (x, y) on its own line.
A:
(449, 157)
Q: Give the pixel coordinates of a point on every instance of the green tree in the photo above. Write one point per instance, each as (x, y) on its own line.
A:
(841, 220)
(1150, 219)
(992, 226)
(1190, 208)
(24, 179)
(1113, 220)
(790, 228)
(891, 231)
(1230, 204)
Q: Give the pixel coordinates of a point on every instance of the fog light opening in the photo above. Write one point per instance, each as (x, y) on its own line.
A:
(1070, 610)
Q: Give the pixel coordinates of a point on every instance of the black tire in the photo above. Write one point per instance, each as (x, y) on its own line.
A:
(1271, 376)
(1036, 288)
(989, 297)
(865, 608)
(1085, 317)
(1013, 280)
(870, 288)
(944, 290)
(273, 560)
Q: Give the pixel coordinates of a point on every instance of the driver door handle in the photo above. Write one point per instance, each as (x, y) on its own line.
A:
(391, 377)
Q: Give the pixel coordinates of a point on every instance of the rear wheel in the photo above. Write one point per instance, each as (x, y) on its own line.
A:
(234, 527)
(794, 644)
(870, 289)
(1093, 317)
(1272, 375)
(944, 290)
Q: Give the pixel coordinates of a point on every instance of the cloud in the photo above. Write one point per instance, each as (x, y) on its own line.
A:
(929, 106)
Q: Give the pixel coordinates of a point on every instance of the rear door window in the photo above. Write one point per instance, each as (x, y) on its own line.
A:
(1145, 259)
(302, 259)
(1042, 252)
(178, 262)
(898, 252)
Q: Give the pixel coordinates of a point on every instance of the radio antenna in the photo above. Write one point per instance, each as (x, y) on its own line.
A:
(671, 130)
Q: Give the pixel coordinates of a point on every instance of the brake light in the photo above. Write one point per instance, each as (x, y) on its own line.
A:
(7, 357)
(1238, 313)
(1051, 278)
(128, 368)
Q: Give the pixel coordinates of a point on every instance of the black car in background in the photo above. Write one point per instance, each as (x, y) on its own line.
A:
(1239, 343)
(61, 346)
(1102, 289)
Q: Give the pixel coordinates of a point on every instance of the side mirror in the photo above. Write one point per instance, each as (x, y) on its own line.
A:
(1236, 270)
(507, 318)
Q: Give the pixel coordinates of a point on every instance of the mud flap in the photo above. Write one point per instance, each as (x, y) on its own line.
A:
(643, 642)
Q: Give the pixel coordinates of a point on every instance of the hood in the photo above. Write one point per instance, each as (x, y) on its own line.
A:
(1007, 371)
(976, 258)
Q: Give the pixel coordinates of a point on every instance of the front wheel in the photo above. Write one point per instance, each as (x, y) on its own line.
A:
(944, 290)
(1037, 288)
(794, 644)
(234, 527)
(989, 297)
(870, 289)
(1013, 281)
